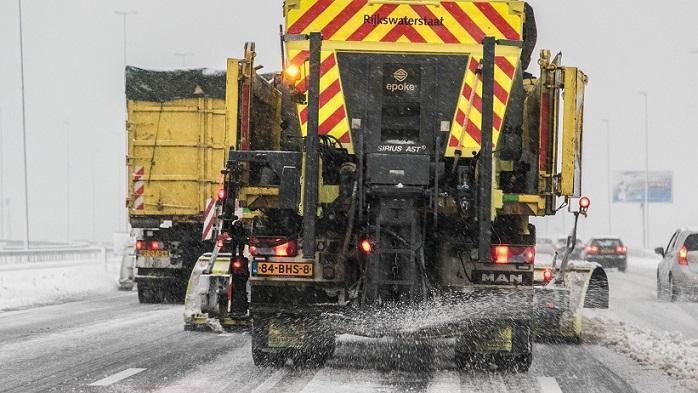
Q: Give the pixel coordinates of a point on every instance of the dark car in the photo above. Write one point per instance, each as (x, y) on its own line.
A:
(677, 273)
(607, 252)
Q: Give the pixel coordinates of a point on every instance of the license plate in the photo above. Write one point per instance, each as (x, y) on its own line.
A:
(154, 253)
(282, 269)
(608, 251)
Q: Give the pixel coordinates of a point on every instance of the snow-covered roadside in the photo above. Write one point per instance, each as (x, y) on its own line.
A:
(47, 283)
(670, 353)
(656, 334)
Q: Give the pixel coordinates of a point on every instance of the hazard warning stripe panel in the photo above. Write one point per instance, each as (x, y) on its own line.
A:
(466, 135)
(138, 188)
(448, 22)
(333, 114)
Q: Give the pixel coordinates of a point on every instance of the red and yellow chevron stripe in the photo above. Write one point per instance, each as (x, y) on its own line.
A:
(465, 129)
(449, 22)
(333, 113)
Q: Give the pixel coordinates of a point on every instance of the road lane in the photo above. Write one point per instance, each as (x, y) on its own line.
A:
(67, 347)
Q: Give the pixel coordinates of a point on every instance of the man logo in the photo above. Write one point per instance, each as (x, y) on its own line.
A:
(400, 75)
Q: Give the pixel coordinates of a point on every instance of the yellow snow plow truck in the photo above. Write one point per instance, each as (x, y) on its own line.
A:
(398, 201)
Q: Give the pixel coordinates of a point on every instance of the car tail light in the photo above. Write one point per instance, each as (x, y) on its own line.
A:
(592, 250)
(221, 194)
(273, 247)
(139, 245)
(155, 245)
(548, 275)
(621, 249)
(683, 256)
(503, 253)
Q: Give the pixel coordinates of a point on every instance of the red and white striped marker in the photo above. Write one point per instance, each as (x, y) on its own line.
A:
(138, 188)
(209, 215)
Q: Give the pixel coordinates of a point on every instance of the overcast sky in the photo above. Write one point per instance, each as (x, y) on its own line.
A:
(74, 81)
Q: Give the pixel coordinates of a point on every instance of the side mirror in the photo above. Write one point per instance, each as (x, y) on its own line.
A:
(659, 251)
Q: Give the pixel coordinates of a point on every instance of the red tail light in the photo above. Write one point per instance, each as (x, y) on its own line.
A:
(221, 194)
(592, 250)
(285, 250)
(502, 254)
(154, 245)
(273, 247)
(139, 245)
(621, 249)
(238, 266)
(683, 256)
(548, 275)
(366, 246)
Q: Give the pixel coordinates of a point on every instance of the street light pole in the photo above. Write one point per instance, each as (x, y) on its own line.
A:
(2, 184)
(608, 175)
(24, 131)
(646, 228)
(122, 221)
(67, 182)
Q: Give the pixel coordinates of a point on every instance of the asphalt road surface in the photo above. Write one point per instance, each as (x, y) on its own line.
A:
(114, 344)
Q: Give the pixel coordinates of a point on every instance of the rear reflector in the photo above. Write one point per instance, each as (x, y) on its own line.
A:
(503, 254)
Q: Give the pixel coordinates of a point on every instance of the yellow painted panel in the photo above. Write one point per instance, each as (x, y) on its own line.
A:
(181, 146)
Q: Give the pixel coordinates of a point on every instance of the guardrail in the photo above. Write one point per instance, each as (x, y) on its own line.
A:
(52, 255)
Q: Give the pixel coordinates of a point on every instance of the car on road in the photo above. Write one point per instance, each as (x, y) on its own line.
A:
(545, 245)
(607, 251)
(126, 273)
(677, 273)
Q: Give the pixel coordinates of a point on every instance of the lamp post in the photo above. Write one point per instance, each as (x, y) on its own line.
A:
(646, 205)
(67, 182)
(2, 184)
(24, 130)
(122, 221)
(608, 175)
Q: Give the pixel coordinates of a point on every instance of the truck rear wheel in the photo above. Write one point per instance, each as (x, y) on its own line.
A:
(260, 357)
(148, 295)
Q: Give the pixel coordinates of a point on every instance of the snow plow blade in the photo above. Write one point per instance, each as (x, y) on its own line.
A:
(559, 305)
(207, 297)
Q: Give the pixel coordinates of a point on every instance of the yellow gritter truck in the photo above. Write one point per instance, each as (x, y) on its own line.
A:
(176, 145)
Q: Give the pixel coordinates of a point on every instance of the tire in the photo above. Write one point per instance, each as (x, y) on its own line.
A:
(674, 292)
(144, 295)
(660, 289)
(259, 340)
(622, 268)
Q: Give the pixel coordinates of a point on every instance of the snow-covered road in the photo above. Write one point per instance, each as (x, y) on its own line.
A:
(110, 343)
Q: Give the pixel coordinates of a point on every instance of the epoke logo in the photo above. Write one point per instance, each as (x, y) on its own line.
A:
(400, 75)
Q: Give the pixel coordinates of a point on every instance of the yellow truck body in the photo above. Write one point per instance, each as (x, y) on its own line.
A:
(176, 150)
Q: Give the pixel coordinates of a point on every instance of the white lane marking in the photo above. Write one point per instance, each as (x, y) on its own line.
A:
(444, 382)
(549, 385)
(269, 384)
(129, 372)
